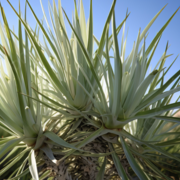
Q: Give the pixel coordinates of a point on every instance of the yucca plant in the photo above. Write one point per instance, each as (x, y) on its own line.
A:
(22, 118)
(75, 116)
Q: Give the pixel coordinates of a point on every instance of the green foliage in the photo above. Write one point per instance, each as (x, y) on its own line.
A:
(50, 91)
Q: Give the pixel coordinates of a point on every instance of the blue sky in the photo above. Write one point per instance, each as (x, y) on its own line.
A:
(142, 11)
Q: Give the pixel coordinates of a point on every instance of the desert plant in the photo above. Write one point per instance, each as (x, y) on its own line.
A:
(24, 120)
(79, 115)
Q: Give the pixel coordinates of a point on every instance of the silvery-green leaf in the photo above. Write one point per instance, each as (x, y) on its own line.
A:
(33, 166)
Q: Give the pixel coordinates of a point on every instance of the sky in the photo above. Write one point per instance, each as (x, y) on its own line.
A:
(141, 12)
